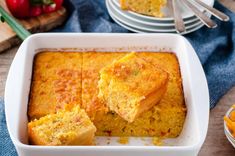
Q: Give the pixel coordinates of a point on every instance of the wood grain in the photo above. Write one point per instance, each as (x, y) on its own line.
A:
(229, 4)
(41, 23)
(5, 61)
(216, 143)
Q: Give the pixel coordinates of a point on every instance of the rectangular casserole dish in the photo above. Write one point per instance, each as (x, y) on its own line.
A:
(194, 86)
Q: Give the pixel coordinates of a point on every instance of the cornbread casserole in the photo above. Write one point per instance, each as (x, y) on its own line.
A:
(164, 119)
(146, 7)
(131, 86)
(70, 126)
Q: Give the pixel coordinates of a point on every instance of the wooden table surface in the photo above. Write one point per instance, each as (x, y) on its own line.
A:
(216, 142)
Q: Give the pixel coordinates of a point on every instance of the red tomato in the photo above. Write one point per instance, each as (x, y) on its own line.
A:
(19, 8)
(35, 11)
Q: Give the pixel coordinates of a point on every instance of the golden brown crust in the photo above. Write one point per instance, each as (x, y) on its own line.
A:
(92, 63)
(56, 81)
(147, 7)
(71, 126)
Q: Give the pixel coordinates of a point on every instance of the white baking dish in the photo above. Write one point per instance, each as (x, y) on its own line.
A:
(194, 84)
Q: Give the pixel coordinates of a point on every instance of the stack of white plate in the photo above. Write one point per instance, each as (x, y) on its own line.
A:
(146, 24)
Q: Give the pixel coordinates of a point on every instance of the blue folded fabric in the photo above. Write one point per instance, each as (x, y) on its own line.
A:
(215, 48)
(6, 146)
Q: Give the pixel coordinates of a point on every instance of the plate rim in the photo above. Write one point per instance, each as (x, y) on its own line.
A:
(157, 18)
(142, 31)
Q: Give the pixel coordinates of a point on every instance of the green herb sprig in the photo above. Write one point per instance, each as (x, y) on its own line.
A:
(16, 26)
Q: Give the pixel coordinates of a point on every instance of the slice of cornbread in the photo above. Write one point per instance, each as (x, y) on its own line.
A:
(92, 63)
(146, 7)
(66, 127)
(164, 120)
(56, 81)
(131, 86)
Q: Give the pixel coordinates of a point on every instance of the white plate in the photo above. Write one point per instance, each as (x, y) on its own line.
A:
(129, 16)
(186, 13)
(194, 86)
(138, 25)
(145, 31)
(139, 29)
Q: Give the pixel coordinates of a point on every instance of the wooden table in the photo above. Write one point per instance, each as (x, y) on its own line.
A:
(216, 142)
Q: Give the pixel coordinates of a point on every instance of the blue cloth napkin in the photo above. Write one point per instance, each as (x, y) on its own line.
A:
(6, 146)
(215, 48)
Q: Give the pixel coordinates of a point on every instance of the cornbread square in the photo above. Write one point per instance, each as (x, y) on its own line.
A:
(71, 126)
(48, 63)
(146, 7)
(164, 120)
(131, 86)
(92, 63)
(56, 81)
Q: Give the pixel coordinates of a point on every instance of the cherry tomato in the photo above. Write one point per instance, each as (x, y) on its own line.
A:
(49, 8)
(35, 11)
(32, 8)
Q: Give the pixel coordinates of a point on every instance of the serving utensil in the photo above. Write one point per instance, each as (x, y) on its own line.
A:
(221, 16)
(206, 20)
(179, 22)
